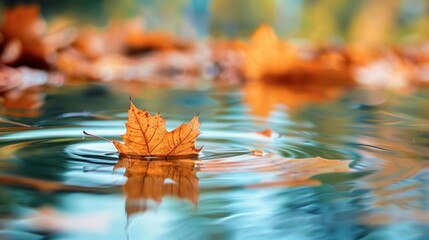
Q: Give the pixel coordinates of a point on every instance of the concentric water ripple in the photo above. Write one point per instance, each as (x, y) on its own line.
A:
(230, 190)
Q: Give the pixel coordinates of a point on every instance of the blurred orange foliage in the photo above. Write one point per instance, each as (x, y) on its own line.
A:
(269, 59)
(286, 72)
(267, 56)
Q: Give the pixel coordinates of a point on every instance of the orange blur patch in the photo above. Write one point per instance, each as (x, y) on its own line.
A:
(269, 59)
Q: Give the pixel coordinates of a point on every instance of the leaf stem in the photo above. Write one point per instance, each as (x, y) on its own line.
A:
(92, 135)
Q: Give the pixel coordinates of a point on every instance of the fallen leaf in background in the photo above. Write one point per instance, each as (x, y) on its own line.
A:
(155, 179)
(147, 136)
(24, 26)
(267, 56)
(24, 22)
(293, 172)
(269, 59)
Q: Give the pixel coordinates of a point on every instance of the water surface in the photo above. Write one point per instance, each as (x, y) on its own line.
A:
(57, 183)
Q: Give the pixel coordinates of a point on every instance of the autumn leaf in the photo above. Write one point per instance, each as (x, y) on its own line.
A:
(147, 136)
(24, 26)
(268, 56)
(270, 59)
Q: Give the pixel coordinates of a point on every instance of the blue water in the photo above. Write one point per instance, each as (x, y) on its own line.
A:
(57, 183)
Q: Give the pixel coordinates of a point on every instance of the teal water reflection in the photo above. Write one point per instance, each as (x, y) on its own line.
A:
(57, 183)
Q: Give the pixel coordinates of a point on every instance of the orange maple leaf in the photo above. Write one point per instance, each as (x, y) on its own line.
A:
(147, 136)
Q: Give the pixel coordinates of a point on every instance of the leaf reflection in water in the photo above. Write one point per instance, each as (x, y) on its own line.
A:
(155, 179)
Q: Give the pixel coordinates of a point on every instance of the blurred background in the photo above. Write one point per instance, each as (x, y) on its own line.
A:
(323, 47)
(273, 80)
(321, 21)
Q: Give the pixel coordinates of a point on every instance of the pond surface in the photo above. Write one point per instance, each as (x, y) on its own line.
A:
(57, 183)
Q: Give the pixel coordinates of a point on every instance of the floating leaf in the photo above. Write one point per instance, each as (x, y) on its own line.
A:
(147, 136)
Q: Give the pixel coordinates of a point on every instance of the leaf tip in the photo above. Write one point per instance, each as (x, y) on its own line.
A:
(196, 117)
(132, 103)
